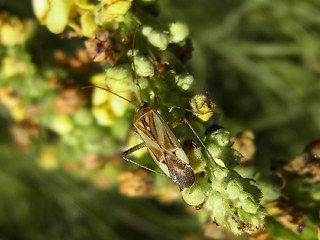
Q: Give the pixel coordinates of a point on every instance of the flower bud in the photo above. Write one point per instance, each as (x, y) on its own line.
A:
(88, 25)
(194, 196)
(185, 82)
(41, 8)
(156, 38)
(202, 107)
(14, 31)
(119, 78)
(220, 173)
(221, 138)
(178, 32)
(117, 10)
(234, 189)
(83, 117)
(48, 158)
(58, 15)
(144, 67)
(195, 156)
(216, 202)
(62, 124)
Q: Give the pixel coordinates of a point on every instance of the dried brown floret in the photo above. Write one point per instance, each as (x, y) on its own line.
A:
(212, 231)
(69, 101)
(287, 214)
(101, 47)
(305, 166)
(261, 235)
(78, 64)
(313, 150)
(135, 183)
(91, 161)
(244, 143)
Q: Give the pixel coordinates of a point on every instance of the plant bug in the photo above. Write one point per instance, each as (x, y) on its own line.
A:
(158, 138)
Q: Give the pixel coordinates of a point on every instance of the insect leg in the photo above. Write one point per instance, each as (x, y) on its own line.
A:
(133, 149)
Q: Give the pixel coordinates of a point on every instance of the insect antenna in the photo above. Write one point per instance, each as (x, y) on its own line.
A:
(133, 64)
(108, 90)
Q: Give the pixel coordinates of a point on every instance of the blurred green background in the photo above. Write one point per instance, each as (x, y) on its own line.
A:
(258, 60)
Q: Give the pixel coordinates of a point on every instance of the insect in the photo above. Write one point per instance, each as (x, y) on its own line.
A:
(159, 139)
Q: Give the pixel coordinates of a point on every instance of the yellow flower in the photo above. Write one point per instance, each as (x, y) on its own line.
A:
(48, 158)
(55, 13)
(88, 25)
(107, 107)
(114, 10)
(84, 4)
(9, 99)
(11, 67)
(117, 10)
(62, 124)
(41, 8)
(202, 107)
(13, 31)
(18, 113)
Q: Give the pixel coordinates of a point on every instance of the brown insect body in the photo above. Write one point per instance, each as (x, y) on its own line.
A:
(160, 141)
(163, 146)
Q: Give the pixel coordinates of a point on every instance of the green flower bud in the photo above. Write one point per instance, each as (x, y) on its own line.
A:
(218, 186)
(185, 82)
(83, 117)
(157, 39)
(146, 30)
(214, 150)
(197, 194)
(178, 32)
(119, 78)
(257, 219)
(220, 173)
(245, 195)
(212, 146)
(219, 145)
(218, 205)
(194, 196)
(144, 67)
(249, 206)
(233, 225)
(221, 138)
(244, 216)
(234, 188)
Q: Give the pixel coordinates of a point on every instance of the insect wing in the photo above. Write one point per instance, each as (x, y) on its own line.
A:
(164, 147)
(180, 171)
